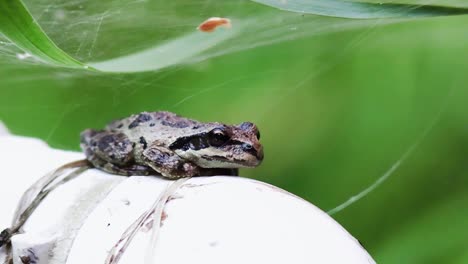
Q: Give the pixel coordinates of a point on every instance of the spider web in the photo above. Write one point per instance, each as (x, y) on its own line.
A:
(103, 32)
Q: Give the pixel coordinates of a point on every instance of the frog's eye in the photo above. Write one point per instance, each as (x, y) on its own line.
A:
(258, 135)
(217, 137)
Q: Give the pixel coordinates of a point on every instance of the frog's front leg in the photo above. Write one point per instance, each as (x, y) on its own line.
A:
(169, 164)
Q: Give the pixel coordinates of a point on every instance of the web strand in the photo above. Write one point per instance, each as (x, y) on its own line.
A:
(353, 199)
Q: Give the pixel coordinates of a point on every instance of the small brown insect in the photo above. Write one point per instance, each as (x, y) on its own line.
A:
(212, 23)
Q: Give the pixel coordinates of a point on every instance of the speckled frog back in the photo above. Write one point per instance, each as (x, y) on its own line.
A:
(163, 127)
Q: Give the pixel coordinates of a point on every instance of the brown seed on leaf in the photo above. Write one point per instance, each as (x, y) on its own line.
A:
(212, 23)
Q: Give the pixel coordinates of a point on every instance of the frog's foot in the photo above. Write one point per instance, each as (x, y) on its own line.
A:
(169, 164)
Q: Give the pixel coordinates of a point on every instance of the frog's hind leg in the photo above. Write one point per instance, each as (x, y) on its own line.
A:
(113, 147)
(130, 170)
(111, 152)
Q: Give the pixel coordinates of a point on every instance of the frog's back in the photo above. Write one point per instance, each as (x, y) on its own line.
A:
(160, 126)
(161, 118)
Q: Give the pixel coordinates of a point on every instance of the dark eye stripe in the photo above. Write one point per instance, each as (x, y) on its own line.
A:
(196, 141)
(250, 150)
(186, 143)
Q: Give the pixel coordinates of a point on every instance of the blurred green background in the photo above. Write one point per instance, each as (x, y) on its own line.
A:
(338, 103)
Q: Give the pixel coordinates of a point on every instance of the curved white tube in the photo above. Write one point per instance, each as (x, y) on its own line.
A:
(103, 218)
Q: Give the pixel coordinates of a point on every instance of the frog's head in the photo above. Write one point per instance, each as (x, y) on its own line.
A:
(216, 145)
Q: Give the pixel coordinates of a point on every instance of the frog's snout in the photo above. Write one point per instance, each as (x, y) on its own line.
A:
(260, 154)
(256, 151)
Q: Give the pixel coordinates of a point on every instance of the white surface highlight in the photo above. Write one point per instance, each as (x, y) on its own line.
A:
(206, 220)
(3, 130)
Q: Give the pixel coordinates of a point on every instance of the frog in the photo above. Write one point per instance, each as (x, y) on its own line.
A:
(166, 144)
(158, 143)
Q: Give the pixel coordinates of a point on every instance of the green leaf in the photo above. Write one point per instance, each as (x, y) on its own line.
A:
(171, 53)
(17, 24)
(362, 10)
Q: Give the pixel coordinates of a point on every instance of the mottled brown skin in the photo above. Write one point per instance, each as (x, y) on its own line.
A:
(162, 143)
